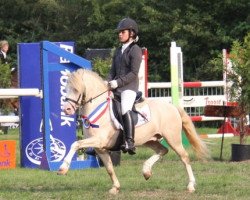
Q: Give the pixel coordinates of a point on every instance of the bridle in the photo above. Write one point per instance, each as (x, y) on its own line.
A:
(78, 103)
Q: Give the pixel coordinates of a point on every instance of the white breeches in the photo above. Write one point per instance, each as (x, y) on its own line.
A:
(127, 100)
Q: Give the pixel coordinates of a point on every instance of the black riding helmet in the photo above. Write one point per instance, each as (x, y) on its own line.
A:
(128, 24)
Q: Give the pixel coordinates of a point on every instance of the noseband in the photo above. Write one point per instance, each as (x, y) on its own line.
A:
(76, 102)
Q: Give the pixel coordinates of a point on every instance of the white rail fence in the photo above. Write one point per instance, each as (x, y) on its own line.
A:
(5, 120)
(196, 96)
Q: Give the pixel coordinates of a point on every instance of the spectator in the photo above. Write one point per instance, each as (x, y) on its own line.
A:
(4, 48)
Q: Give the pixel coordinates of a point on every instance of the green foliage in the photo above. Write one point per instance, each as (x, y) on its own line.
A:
(199, 27)
(5, 75)
(102, 67)
(5, 81)
(240, 73)
(239, 76)
(213, 69)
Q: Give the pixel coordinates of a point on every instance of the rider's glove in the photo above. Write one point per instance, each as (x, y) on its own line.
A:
(113, 84)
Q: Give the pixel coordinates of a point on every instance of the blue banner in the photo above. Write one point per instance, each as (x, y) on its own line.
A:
(62, 127)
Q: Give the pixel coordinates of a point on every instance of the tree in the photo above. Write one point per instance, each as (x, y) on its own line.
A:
(240, 78)
(201, 28)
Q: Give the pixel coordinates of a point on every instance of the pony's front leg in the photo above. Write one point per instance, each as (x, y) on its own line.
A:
(64, 168)
(105, 157)
(89, 142)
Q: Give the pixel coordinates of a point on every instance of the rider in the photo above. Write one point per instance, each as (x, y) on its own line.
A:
(123, 77)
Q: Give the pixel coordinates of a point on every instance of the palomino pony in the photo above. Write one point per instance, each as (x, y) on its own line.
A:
(88, 89)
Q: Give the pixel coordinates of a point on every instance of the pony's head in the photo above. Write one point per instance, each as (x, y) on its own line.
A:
(74, 92)
(82, 87)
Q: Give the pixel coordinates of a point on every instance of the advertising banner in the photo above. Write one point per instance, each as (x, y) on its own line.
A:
(7, 154)
(62, 127)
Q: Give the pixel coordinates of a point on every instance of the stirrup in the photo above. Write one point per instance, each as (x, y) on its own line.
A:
(126, 149)
(123, 148)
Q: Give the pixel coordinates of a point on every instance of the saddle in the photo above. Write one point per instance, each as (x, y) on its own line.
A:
(116, 106)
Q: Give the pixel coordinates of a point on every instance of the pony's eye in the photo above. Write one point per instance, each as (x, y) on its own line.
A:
(71, 90)
(75, 90)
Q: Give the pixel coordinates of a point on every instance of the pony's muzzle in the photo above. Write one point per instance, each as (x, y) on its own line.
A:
(68, 109)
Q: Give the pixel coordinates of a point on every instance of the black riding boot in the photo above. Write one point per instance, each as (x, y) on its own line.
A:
(129, 131)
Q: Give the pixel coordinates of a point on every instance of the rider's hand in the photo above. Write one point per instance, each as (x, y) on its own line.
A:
(113, 84)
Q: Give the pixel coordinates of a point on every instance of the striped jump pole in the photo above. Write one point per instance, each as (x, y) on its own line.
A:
(199, 84)
(204, 118)
(206, 136)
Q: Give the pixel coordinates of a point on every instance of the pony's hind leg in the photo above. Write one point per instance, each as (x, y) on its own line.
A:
(179, 149)
(148, 164)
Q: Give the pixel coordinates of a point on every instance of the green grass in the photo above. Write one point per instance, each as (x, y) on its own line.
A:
(215, 179)
(206, 130)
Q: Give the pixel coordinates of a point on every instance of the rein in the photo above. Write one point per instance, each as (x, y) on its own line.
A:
(92, 98)
(79, 103)
(96, 114)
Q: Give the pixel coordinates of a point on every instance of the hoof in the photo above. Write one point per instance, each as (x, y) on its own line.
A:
(191, 190)
(190, 187)
(114, 190)
(62, 171)
(147, 175)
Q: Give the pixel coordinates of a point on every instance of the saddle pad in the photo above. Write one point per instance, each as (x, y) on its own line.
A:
(144, 110)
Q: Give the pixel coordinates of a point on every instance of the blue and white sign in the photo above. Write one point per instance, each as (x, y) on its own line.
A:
(62, 127)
